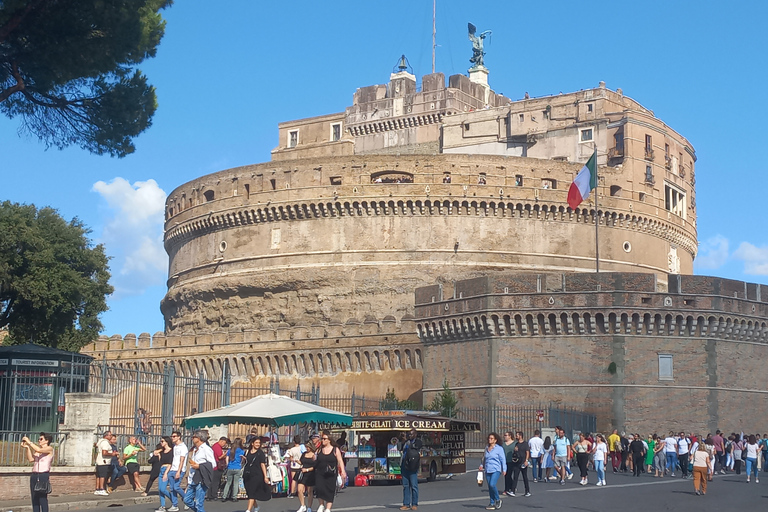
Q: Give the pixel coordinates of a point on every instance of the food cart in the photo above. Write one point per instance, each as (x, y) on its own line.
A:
(442, 451)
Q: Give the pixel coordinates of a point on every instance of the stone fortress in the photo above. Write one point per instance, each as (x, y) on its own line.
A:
(306, 267)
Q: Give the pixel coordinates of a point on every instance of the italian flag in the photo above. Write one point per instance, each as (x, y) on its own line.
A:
(583, 183)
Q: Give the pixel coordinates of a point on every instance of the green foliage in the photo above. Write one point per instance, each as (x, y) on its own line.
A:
(53, 283)
(445, 402)
(392, 403)
(67, 69)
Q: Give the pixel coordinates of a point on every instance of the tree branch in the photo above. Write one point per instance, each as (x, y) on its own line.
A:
(19, 87)
(17, 18)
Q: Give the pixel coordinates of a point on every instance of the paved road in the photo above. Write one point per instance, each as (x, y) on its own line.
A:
(624, 493)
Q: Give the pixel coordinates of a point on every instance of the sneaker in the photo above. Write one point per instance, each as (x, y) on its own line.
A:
(570, 475)
(186, 507)
(673, 475)
(599, 483)
(527, 495)
(490, 507)
(173, 509)
(321, 508)
(604, 483)
(405, 507)
(511, 494)
(553, 478)
(498, 504)
(109, 490)
(697, 493)
(562, 482)
(747, 479)
(303, 508)
(102, 492)
(160, 509)
(535, 481)
(757, 480)
(415, 507)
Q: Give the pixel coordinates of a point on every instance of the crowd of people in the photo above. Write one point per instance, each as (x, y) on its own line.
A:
(695, 456)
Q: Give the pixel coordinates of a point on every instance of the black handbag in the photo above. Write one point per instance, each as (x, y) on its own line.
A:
(42, 486)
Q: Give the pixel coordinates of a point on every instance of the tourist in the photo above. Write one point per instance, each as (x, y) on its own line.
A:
(614, 445)
(154, 461)
(764, 452)
(625, 457)
(255, 478)
(104, 454)
(293, 455)
(494, 464)
(329, 465)
(701, 465)
(709, 445)
(670, 452)
(220, 454)
(176, 472)
(508, 445)
(521, 457)
(737, 446)
(234, 459)
(536, 444)
(166, 460)
(600, 458)
(720, 456)
(752, 450)
(582, 450)
(563, 453)
(683, 448)
(650, 453)
(307, 478)
(409, 471)
(41, 457)
(637, 452)
(117, 468)
(200, 475)
(131, 462)
(547, 459)
(659, 457)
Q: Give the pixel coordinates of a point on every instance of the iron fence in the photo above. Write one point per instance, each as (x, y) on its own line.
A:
(526, 418)
(13, 454)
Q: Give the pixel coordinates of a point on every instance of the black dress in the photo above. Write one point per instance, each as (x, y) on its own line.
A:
(325, 481)
(307, 460)
(253, 477)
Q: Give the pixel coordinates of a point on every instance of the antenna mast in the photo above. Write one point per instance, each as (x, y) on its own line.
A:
(434, 5)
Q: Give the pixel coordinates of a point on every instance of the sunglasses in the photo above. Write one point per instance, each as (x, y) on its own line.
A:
(325, 438)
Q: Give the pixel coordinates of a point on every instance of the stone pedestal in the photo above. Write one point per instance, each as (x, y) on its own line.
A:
(84, 412)
(479, 75)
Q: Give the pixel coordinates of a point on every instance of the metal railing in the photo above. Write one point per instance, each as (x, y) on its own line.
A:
(526, 418)
(13, 454)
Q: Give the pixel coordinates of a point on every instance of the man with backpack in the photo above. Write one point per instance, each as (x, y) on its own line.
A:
(410, 463)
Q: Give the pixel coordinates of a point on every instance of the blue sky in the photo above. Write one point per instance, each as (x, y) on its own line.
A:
(227, 72)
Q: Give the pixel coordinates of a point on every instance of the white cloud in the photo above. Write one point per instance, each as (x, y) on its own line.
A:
(133, 234)
(713, 252)
(755, 258)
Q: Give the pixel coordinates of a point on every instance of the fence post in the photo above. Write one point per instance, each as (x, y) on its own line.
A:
(136, 397)
(169, 391)
(225, 387)
(298, 391)
(316, 399)
(104, 373)
(352, 403)
(201, 393)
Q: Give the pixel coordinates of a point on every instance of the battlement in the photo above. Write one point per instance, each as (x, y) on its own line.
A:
(593, 304)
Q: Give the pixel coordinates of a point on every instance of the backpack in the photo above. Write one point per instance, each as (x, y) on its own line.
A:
(412, 459)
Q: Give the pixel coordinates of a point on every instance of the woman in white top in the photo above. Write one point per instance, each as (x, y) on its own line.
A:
(700, 468)
(600, 458)
(753, 451)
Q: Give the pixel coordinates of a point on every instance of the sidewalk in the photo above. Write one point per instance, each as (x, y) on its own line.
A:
(82, 501)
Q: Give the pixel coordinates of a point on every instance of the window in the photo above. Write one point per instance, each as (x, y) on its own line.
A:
(293, 138)
(466, 127)
(273, 183)
(519, 180)
(674, 200)
(648, 147)
(481, 179)
(615, 190)
(335, 180)
(547, 183)
(208, 194)
(247, 191)
(665, 367)
(336, 132)
(641, 196)
(446, 177)
(648, 174)
(545, 113)
(521, 117)
(590, 107)
(586, 135)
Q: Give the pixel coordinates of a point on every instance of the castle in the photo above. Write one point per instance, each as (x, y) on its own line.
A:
(315, 265)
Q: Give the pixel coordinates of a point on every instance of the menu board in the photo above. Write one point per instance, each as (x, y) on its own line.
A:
(454, 460)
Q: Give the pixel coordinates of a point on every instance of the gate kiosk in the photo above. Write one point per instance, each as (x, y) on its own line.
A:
(442, 451)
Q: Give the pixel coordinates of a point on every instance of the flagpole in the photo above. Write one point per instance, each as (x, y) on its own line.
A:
(597, 216)
(434, 9)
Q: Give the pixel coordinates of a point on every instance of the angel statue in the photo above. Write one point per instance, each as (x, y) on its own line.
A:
(477, 46)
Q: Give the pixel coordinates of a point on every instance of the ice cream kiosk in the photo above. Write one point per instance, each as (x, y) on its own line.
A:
(378, 457)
